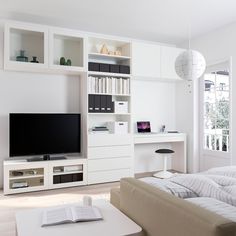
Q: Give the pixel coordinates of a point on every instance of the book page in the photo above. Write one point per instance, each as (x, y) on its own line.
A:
(57, 216)
(85, 213)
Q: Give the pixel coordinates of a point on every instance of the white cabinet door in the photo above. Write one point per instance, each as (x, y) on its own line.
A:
(168, 57)
(146, 60)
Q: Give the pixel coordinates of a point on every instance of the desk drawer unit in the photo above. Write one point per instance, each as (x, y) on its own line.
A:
(109, 151)
(109, 140)
(110, 158)
(108, 176)
(109, 164)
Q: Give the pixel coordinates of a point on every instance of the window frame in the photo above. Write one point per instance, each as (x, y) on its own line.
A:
(207, 152)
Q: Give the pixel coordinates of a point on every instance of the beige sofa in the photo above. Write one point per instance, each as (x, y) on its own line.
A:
(162, 214)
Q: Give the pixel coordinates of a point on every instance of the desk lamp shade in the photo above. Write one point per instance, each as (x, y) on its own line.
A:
(190, 65)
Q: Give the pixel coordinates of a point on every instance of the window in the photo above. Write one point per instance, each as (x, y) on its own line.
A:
(216, 108)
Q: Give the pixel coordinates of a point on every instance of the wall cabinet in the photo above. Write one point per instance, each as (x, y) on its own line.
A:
(24, 41)
(154, 62)
(146, 60)
(168, 57)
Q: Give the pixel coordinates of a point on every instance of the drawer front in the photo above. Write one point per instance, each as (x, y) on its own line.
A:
(109, 164)
(108, 176)
(109, 140)
(108, 152)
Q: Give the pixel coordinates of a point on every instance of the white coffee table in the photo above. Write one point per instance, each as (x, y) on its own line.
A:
(114, 223)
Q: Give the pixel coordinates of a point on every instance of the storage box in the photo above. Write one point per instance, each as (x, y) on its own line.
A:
(73, 168)
(121, 107)
(66, 178)
(93, 66)
(104, 67)
(118, 127)
(124, 69)
(114, 68)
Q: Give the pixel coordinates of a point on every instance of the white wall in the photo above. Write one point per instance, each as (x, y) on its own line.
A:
(32, 92)
(155, 102)
(216, 46)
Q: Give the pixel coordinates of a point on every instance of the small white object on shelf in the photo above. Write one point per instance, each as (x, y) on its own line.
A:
(72, 168)
(121, 107)
(119, 127)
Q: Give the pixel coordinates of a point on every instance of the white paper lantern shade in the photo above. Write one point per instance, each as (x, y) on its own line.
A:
(190, 65)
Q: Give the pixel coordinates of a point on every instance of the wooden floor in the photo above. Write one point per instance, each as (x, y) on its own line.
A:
(10, 204)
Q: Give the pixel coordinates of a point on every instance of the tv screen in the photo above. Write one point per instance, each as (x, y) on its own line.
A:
(40, 134)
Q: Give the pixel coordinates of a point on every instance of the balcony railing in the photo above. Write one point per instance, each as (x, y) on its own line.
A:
(217, 140)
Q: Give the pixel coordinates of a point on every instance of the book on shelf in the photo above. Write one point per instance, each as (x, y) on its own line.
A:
(109, 85)
(70, 214)
(16, 185)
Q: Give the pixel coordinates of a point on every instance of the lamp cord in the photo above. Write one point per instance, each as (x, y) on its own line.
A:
(189, 25)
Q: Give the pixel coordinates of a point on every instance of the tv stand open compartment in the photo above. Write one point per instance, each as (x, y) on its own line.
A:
(22, 176)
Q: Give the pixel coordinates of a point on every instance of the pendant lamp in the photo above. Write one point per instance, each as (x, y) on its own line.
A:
(190, 64)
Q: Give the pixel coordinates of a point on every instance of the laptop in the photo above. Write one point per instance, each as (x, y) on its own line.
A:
(143, 127)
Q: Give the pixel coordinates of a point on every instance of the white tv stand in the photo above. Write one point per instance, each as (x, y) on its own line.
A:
(43, 175)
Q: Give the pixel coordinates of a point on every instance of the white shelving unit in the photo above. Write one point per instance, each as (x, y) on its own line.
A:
(110, 156)
(40, 175)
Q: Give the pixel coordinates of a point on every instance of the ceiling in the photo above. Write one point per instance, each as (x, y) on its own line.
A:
(165, 21)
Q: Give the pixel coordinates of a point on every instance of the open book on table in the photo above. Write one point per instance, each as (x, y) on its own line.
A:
(70, 214)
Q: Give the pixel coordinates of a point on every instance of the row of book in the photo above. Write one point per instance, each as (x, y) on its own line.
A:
(109, 85)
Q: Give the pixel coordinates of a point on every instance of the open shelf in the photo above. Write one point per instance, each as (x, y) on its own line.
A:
(31, 182)
(69, 172)
(26, 177)
(95, 45)
(107, 57)
(70, 47)
(116, 95)
(98, 73)
(25, 40)
(104, 114)
(26, 173)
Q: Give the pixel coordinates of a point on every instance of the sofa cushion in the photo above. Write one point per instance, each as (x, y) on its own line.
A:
(204, 187)
(167, 186)
(216, 206)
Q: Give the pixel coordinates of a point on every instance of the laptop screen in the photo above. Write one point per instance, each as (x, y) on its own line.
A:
(143, 126)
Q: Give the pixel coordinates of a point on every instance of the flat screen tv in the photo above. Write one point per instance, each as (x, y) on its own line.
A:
(43, 134)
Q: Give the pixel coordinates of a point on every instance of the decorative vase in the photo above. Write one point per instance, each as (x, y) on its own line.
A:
(22, 56)
(68, 62)
(62, 61)
(34, 60)
(118, 53)
(104, 49)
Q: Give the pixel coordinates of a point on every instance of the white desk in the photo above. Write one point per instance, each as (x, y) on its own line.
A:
(114, 223)
(177, 142)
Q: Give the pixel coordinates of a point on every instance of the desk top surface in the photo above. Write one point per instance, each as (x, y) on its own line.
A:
(159, 137)
(141, 135)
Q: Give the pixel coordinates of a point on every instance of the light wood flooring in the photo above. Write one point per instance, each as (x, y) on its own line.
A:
(10, 204)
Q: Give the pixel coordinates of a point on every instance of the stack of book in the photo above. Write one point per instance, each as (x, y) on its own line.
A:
(109, 85)
(100, 130)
